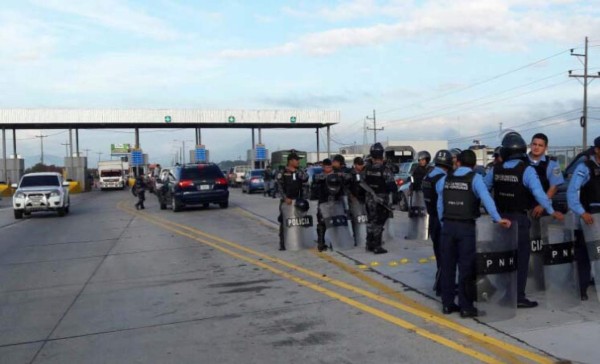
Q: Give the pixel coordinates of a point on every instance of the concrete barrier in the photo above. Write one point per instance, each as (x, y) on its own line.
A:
(75, 187)
(5, 190)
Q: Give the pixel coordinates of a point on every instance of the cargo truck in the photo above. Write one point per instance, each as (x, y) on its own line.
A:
(112, 174)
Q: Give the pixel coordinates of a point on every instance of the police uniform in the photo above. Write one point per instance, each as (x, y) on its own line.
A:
(516, 188)
(326, 188)
(430, 186)
(290, 185)
(417, 177)
(583, 195)
(379, 177)
(459, 197)
(548, 171)
(140, 192)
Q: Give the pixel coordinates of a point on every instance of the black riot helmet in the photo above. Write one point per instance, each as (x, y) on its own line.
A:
(334, 183)
(455, 152)
(376, 150)
(302, 205)
(513, 146)
(424, 155)
(443, 158)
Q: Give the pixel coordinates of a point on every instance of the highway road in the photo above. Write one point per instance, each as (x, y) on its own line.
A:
(109, 284)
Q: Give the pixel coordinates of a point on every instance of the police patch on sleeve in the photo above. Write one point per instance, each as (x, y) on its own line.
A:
(556, 171)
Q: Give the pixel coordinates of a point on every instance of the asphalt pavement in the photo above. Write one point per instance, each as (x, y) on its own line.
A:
(109, 284)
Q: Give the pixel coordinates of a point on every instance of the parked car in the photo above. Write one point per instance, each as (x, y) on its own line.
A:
(194, 184)
(253, 181)
(41, 192)
(236, 174)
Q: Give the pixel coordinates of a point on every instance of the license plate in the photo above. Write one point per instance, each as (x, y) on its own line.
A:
(362, 219)
(304, 221)
(204, 187)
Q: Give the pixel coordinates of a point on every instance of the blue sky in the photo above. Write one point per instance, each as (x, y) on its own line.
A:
(433, 69)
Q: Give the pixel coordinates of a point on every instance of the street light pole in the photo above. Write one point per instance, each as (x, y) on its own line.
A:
(42, 145)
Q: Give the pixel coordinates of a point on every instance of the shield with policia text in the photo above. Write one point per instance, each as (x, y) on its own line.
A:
(496, 271)
(418, 220)
(535, 276)
(562, 285)
(297, 228)
(359, 221)
(337, 233)
(592, 241)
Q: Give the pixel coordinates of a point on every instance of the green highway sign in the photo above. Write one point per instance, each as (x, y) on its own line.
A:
(292, 119)
(167, 119)
(231, 119)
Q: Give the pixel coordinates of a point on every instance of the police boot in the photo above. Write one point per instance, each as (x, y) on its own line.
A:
(281, 242)
(378, 248)
(321, 246)
(370, 246)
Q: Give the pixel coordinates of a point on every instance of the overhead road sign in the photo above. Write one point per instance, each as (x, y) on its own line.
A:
(165, 118)
(200, 153)
(137, 157)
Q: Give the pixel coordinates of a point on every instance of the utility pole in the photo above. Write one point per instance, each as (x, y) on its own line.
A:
(587, 79)
(374, 128)
(86, 152)
(42, 145)
(99, 154)
(66, 148)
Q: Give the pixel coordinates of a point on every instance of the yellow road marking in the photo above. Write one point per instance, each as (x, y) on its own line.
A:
(356, 304)
(423, 260)
(426, 314)
(404, 260)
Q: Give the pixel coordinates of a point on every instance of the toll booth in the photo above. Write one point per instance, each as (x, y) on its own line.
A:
(15, 168)
(76, 171)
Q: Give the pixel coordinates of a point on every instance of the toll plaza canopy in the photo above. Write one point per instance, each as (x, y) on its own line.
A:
(164, 118)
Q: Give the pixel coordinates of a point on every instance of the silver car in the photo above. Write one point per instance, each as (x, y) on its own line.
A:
(41, 192)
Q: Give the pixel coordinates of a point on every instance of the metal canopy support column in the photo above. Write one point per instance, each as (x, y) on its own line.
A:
(260, 142)
(318, 147)
(77, 142)
(198, 136)
(137, 146)
(70, 143)
(15, 143)
(328, 141)
(4, 176)
(252, 151)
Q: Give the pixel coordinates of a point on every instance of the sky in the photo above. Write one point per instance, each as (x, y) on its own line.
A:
(432, 69)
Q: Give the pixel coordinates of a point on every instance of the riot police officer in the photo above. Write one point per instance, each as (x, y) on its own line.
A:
(357, 194)
(455, 152)
(423, 159)
(289, 186)
(459, 196)
(327, 186)
(583, 198)
(379, 179)
(140, 192)
(431, 182)
(516, 185)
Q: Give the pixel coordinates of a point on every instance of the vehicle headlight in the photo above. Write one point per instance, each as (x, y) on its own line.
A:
(19, 195)
(54, 194)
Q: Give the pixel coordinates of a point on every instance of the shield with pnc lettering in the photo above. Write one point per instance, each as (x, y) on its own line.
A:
(592, 241)
(496, 271)
(562, 285)
(337, 233)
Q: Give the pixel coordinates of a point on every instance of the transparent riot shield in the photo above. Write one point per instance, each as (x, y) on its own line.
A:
(496, 271)
(297, 228)
(389, 230)
(418, 220)
(562, 285)
(358, 210)
(535, 277)
(337, 233)
(592, 241)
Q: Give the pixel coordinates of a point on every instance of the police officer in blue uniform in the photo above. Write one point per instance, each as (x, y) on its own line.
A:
(583, 198)
(327, 186)
(516, 186)
(460, 194)
(547, 168)
(430, 184)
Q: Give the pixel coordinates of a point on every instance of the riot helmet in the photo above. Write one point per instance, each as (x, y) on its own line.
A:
(333, 183)
(424, 155)
(376, 150)
(513, 146)
(443, 158)
(455, 152)
(302, 204)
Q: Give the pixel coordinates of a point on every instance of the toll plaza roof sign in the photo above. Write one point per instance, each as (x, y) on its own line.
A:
(164, 118)
(118, 149)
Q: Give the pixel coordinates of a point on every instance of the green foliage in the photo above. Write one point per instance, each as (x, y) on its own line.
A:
(44, 168)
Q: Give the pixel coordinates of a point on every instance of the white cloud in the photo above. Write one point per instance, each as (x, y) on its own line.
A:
(494, 24)
(24, 39)
(113, 14)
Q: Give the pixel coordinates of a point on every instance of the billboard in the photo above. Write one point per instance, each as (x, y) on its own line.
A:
(118, 149)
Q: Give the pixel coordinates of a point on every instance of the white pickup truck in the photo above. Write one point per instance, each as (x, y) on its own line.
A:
(112, 174)
(41, 192)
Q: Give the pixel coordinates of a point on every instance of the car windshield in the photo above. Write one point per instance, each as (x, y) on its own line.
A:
(36, 181)
(257, 173)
